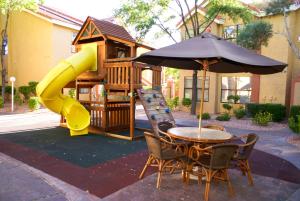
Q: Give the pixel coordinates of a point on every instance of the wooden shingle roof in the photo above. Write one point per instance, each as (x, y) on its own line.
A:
(111, 29)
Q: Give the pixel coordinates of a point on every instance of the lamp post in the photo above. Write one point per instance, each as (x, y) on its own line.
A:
(12, 79)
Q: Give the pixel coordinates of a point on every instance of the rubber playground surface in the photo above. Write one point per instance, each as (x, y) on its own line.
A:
(103, 165)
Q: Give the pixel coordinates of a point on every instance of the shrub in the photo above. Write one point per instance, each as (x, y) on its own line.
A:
(277, 110)
(262, 118)
(295, 110)
(25, 90)
(1, 102)
(227, 107)
(172, 103)
(223, 117)
(239, 113)
(33, 103)
(234, 98)
(8, 90)
(205, 116)
(175, 101)
(32, 85)
(186, 102)
(71, 93)
(294, 123)
(17, 98)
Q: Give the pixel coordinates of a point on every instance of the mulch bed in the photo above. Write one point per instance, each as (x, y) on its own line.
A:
(103, 165)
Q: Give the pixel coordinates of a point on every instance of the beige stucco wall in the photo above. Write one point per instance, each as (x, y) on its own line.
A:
(35, 46)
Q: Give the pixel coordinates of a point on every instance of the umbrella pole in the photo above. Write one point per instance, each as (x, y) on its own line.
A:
(205, 68)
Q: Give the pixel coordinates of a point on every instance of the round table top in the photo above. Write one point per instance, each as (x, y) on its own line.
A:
(193, 134)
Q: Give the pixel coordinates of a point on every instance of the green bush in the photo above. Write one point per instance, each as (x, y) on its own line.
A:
(32, 85)
(186, 102)
(17, 98)
(172, 103)
(278, 111)
(233, 98)
(33, 103)
(25, 90)
(294, 123)
(8, 90)
(262, 118)
(295, 110)
(239, 113)
(1, 102)
(205, 116)
(71, 93)
(223, 117)
(227, 107)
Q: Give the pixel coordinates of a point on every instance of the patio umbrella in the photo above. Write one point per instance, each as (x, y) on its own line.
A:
(210, 52)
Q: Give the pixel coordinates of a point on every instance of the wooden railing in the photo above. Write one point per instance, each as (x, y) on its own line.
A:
(115, 116)
(118, 74)
(118, 116)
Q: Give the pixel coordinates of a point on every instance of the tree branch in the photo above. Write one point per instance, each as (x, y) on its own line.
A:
(191, 17)
(182, 18)
(162, 27)
(196, 18)
(294, 48)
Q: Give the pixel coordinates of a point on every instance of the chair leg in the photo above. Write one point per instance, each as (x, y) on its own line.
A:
(148, 163)
(160, 169)
(208, 174)
(250, 179)
(230, 189)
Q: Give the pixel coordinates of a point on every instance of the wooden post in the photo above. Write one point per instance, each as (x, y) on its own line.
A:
(205, 68)
(132, 97)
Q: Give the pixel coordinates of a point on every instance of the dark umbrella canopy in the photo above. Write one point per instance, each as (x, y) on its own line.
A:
(231, 57)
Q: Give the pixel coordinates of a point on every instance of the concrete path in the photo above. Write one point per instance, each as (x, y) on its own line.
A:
(172, 188)
(20, 182)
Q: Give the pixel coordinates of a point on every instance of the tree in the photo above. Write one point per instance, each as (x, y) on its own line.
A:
(255, 35)
(7, 7)
(282, 7)
(143, 15)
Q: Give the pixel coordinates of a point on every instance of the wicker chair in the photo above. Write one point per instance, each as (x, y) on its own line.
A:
(244, 153)
(163, 127)
(215, 126)
(213, 163)
(172, 157)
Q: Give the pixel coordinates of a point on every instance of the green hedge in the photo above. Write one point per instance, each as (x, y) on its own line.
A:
(294, 124)
(295, 110)
(278, 111)
(1, 102)
(25, 90)
(7, 89)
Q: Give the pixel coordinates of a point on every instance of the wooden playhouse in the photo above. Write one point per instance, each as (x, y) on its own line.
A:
(109, 93)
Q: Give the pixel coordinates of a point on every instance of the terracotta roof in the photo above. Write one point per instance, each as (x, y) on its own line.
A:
(111, 29)
(58, 15)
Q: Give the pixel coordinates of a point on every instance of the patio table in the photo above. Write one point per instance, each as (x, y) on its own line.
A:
(193, 134)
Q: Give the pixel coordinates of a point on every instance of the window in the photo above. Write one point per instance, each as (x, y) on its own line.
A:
(188, 87)
(231, 32)
(236, 86)
(84, 90)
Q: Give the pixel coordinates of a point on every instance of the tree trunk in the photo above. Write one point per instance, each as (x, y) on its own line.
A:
(3, 72)
(194, 93)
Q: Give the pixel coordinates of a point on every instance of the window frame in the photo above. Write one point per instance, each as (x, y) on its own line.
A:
(205, 88)
(235, 88)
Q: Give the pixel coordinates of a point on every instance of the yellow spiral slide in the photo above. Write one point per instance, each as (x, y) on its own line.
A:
(49, 90)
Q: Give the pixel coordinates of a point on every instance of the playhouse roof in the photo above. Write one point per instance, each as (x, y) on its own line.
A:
(93, 27)
(111, 29)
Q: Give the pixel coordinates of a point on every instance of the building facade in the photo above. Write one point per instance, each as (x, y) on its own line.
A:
(37, 41)
(283, 88)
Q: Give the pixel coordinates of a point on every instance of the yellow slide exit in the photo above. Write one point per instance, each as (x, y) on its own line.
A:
(49, 90)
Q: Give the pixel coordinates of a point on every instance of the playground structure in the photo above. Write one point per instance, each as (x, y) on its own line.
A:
(105, 78)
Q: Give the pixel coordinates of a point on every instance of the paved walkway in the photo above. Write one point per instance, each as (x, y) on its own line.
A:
(20, 182)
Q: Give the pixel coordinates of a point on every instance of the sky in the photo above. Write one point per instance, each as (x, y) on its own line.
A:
(102, 9)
